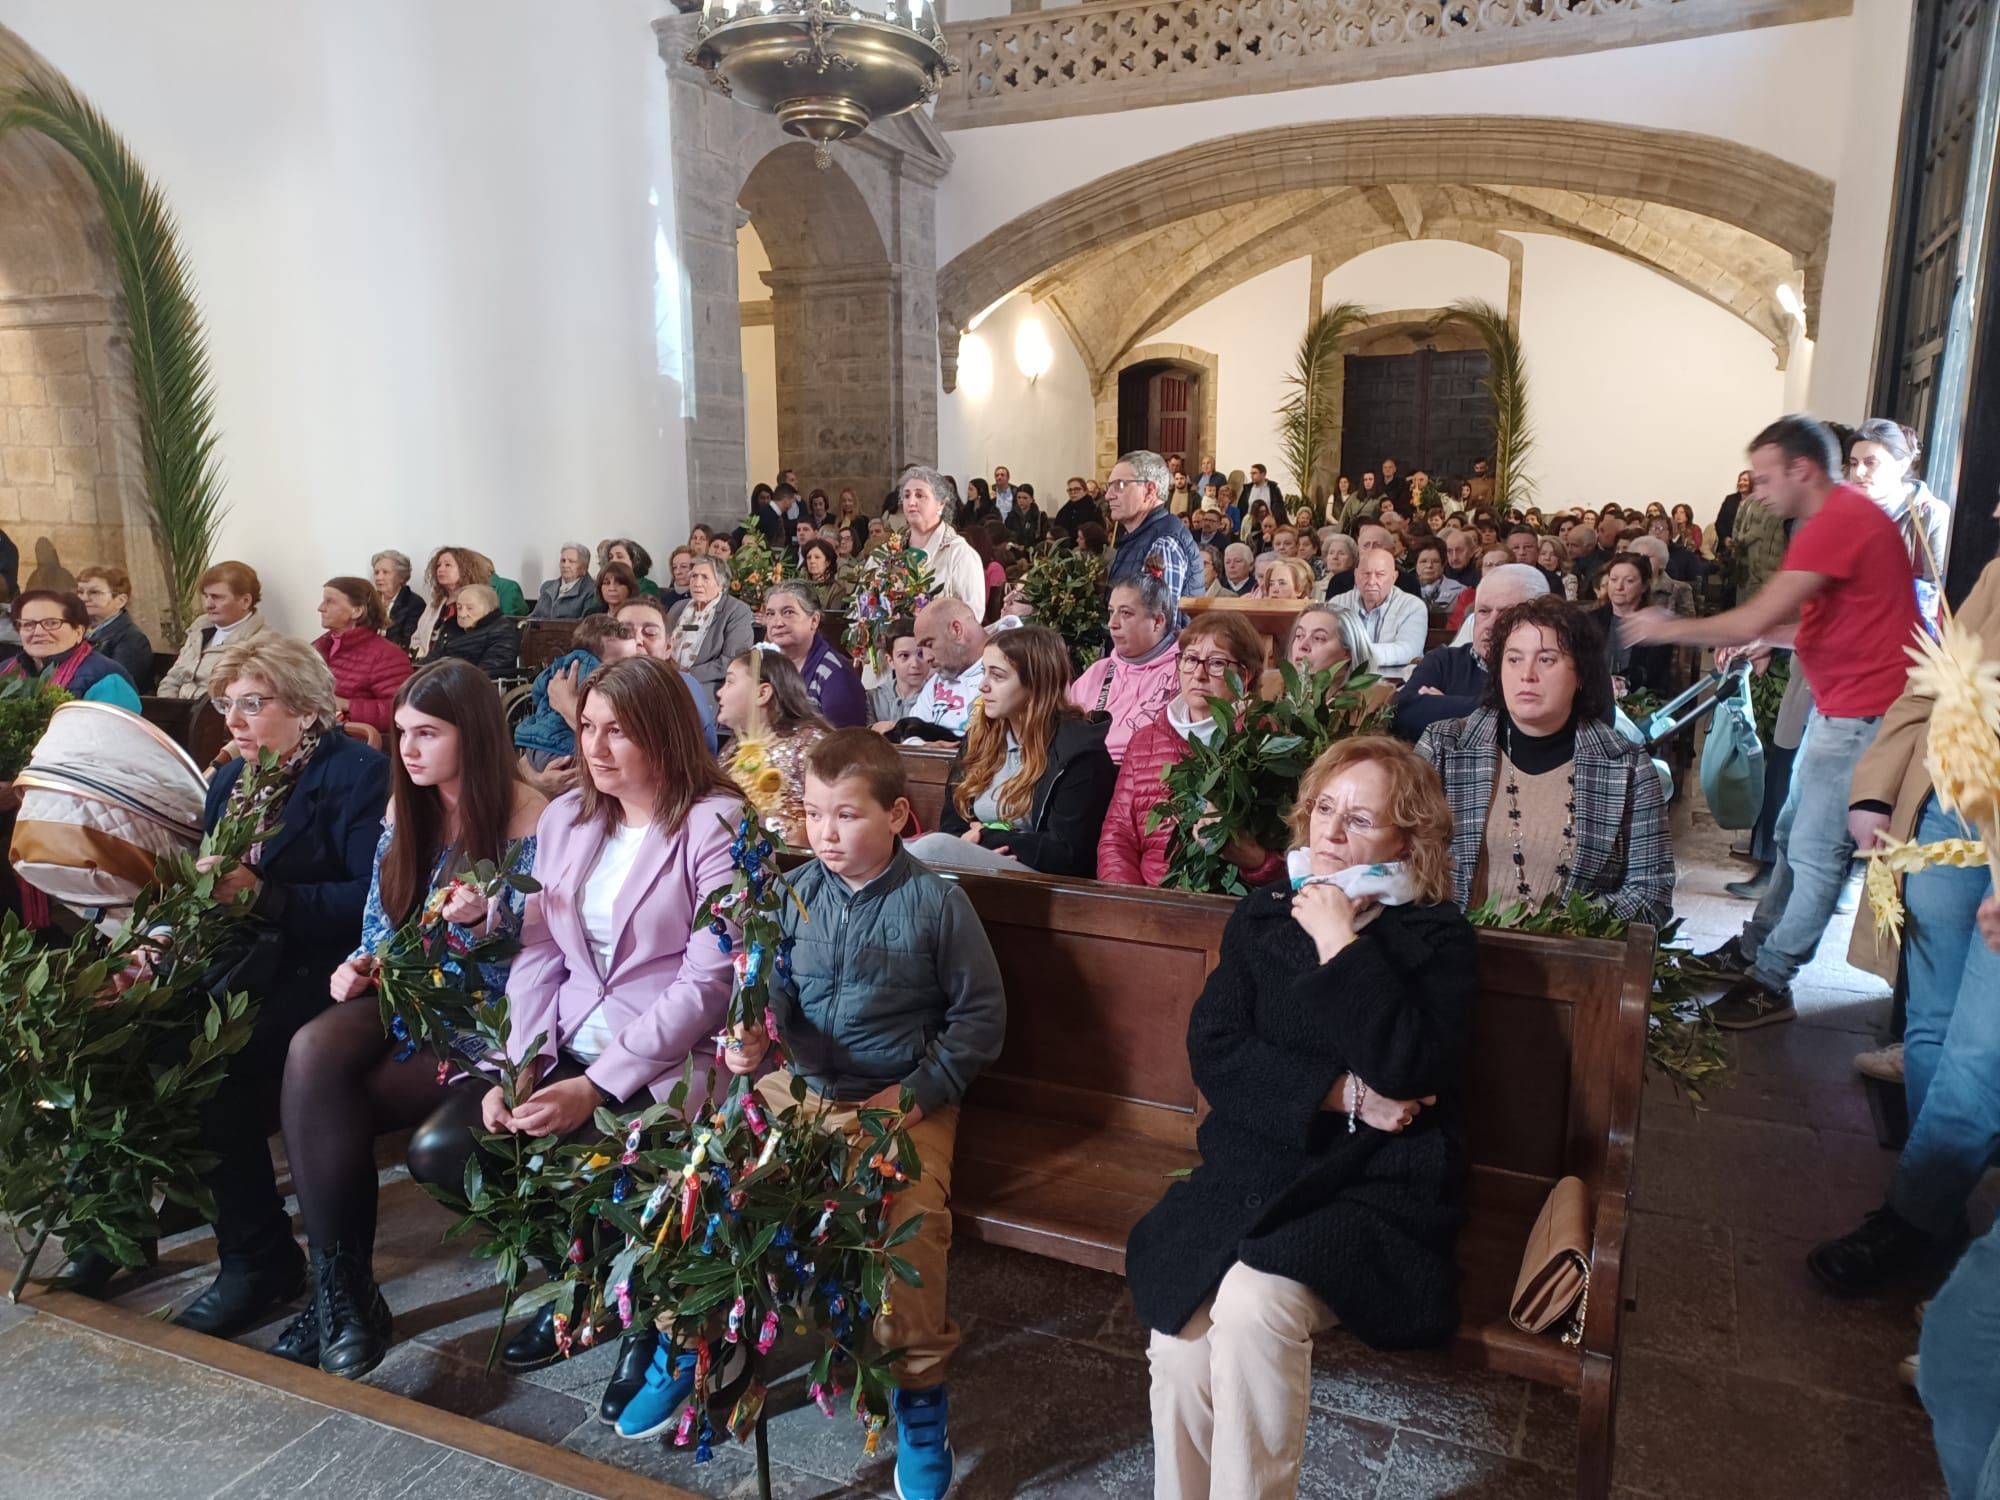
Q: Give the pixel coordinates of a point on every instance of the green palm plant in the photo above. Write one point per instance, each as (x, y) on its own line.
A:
(169, 350)
(1507, 381)
(1309, 418)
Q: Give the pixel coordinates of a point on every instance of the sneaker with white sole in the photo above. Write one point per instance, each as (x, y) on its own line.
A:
(923, 1444)
(1906, 1370)
(658, 1404)
(1884, 1064)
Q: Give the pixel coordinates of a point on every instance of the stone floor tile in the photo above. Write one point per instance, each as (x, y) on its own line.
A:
(1344, 1456)
(1724, 1170)
(1422, 1466)
(1791, 1329)
(450, 1384)
(1686, 1429)
(1686, 1290)
(1548, 1427)
(85, 1416)
(1424, 1392)
(1024, 1291)
(358, 1460)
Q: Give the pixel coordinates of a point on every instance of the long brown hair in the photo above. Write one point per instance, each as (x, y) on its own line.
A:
(1041, 660)
(658, 716)
(462, 696)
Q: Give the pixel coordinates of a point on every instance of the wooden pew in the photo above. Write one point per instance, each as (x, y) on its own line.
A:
(927, 767)
(542, 641)
(192, 723)
(1068, 1139)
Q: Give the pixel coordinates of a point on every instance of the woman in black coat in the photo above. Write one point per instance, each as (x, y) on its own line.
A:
(1329, 1044)
(486, 638)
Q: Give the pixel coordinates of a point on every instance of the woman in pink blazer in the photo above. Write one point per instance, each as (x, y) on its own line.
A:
(616, 973)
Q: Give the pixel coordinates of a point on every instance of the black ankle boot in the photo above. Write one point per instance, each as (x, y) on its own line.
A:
(1866, 1259)
(354, 1322)
(243, 1292)
(88, 1271)
(534, 1347)
(635, 1356)
(299, 1343)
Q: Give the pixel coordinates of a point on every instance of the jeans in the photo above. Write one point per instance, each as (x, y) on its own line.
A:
(1951, 1042)
(1958, 1372)
(1814, 851)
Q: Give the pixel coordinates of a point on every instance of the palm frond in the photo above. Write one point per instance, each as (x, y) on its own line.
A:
(1309, 416)
(176, 398)
(1507, 382)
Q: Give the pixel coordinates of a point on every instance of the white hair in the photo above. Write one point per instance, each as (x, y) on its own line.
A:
(1652, 548)
(1527, 582)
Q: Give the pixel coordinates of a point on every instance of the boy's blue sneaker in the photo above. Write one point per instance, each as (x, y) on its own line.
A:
(661, 1400)
(923, 1444)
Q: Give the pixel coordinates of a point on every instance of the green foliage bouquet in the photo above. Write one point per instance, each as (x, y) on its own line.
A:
(1240, 784)
(1066, 590)
(754, 569)
(430, 979)
(108, 1049)
(717, 1218)
(25, 706)
(894, 582)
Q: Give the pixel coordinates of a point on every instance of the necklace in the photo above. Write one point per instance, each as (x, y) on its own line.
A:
(1521, 883)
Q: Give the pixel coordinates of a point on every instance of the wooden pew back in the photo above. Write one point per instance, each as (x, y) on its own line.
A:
(927, 766)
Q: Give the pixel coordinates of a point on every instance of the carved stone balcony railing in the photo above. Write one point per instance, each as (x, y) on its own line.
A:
(1115, 54)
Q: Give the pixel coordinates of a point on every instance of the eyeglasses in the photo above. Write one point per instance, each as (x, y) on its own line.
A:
(44, 627)
(249, 705)
(1350, 824)
(1209, 666)
(1115, 484)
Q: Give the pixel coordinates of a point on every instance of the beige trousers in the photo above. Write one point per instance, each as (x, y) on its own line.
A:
(1230, 1391)
(918, 1321)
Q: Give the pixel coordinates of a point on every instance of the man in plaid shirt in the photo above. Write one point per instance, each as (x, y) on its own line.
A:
(1150, 538)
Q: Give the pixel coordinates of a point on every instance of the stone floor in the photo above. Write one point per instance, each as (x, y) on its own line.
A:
(1740, 1377)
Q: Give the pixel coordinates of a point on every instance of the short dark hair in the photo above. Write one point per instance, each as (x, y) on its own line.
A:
(1800, 436)
(1427, 544)
(1581, 640)
(863, 753)
(901, 626)
(72, 607)
(1637, 560)
(1520, 527)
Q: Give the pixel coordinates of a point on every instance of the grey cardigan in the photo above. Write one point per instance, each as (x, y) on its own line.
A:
(732, 630)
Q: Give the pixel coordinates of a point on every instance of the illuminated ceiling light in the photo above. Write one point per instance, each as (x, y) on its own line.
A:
(975, 367)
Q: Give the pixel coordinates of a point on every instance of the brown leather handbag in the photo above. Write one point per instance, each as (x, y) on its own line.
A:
(1555, 1271)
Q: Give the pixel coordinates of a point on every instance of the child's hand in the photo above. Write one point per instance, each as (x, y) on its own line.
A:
(891, 1099)
(354, 977)
(464, 906)
(747, 1048)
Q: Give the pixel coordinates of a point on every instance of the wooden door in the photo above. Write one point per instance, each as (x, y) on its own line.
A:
(1428, 410)
(1170, 413)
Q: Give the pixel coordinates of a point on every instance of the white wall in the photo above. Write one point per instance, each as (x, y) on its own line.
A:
(434, 250)
(1421, 274)
(1041, 430)
(1253, 330)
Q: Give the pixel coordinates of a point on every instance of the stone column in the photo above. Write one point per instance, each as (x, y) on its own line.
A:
(706, 218)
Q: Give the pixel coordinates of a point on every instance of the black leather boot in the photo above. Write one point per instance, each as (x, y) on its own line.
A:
(88, 1271)
(534, 1347)
(635, 1356)
(300, 1341)
(245, 1290)
(354, 1322)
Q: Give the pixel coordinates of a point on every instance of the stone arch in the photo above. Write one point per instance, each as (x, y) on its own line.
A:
(1750, 190)
(1201, 361)
(71, 490)
(833, 312)
(1405, 330)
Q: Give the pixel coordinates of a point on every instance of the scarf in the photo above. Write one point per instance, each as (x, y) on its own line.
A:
(694, 628)
(1386, 885)
(61, 671)
(267, 799)
(1189, 728)
(1537, 755)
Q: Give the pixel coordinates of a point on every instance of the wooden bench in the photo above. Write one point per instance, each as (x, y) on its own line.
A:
(927, 767)
(1068, 1139)
(191, 723)
(542, 641)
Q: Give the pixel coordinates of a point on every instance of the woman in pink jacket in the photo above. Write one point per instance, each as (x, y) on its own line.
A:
(616, 972)
(1136, 680)
(367, 670)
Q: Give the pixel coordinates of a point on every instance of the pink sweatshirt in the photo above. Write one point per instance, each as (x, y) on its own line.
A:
(1133, 693)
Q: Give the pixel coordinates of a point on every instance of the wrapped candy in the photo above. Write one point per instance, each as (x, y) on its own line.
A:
(708, 1238)
(822, 1397)
(825, 1221)
(690, 1200)
(631, 1155)
(734, 1332)
(768, 1334)
(623, 1292)
(749, 1407)
(703, 1451)
(654, 1201)
(577, 1255)
(561, 1326)
(686, 1429)
(753, 1116)
(874, 1438)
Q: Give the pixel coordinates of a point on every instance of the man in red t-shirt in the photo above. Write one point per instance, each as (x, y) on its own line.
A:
(1843, 600)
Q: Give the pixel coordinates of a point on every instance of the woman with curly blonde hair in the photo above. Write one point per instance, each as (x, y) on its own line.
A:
(1033, 778)
(449, 570)
(1329, 1044)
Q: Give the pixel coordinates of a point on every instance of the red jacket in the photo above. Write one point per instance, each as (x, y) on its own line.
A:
(1127, 854)
(367, 670)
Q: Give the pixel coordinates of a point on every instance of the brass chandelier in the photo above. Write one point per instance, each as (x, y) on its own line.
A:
(826, 68)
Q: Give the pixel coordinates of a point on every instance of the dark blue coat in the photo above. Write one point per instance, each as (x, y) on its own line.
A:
(314, 871)
(1461, 687)
(120, 640)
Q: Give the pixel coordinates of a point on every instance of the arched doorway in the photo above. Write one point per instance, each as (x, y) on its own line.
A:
(1162, 397)
(69, 491)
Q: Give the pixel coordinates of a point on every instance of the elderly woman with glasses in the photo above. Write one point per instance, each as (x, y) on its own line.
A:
(1329, 1044)
(53, 628)
(1218, 657)
(306, 886)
